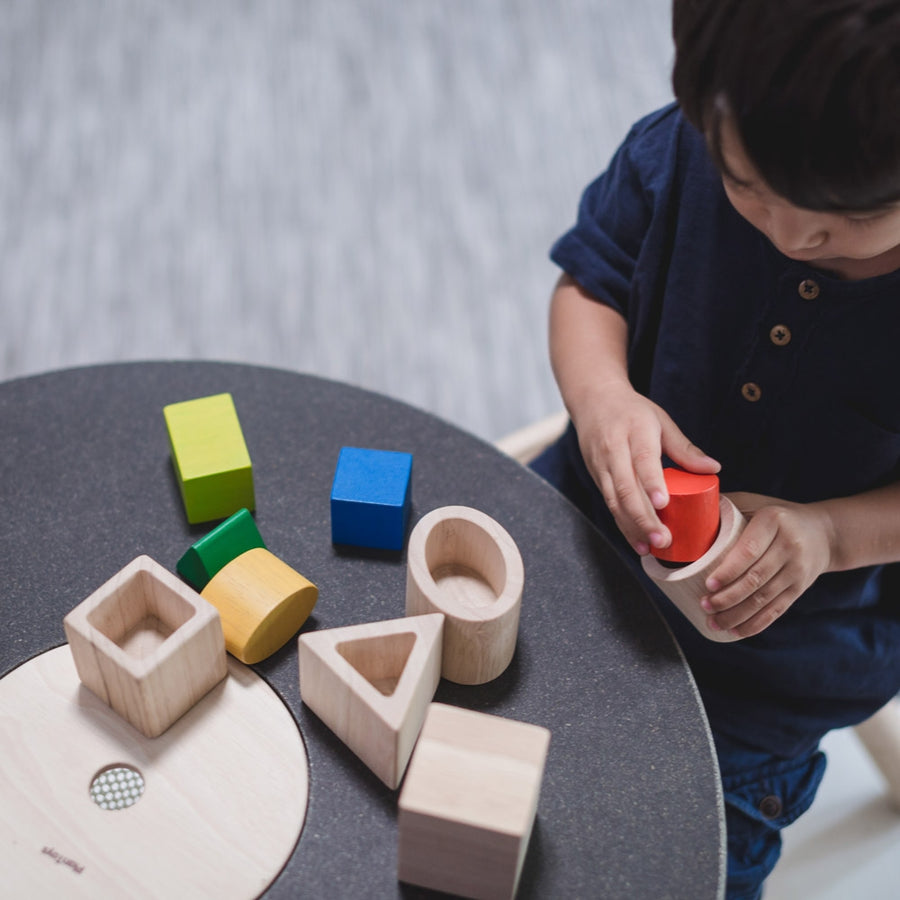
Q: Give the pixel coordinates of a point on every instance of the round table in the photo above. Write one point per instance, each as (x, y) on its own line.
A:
(630, 804)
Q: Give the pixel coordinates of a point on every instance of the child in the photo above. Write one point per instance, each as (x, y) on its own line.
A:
(733, 283)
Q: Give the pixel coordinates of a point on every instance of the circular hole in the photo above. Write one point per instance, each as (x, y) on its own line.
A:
(464, 558)
(117, 787)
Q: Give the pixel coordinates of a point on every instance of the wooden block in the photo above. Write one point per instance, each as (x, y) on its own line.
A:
(211, 460)
(462, 563)
(147, 645)
(691, 515)
(371, 684)
(263, 603)
(371, 498)
(469, 802)
(685, 586)
(228, 540)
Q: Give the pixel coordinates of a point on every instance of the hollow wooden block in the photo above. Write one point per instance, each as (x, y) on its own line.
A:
(147, 645)
(462, 563)
(228, 540)
(371, 498)
(469, 802)
(371, 685)
(685, 586)
(263, 603)
(211, 460)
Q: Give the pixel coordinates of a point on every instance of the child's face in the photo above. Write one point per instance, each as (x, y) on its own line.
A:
(854, 244)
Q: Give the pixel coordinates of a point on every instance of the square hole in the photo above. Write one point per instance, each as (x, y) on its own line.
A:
(139, 614)
(147, 645)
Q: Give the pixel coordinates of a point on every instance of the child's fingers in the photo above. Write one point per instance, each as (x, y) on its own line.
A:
(754, 617)
(648, 471)
(746, 569)
(631, 507)
(682, 452)
(730, 611)
(748, 504)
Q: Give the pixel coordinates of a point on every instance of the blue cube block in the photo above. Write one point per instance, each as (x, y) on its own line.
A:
(370, 498)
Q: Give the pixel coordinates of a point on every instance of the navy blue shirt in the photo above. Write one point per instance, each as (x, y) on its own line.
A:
(787, 375)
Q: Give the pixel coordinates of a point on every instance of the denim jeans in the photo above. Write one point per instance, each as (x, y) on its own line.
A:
(763, 794)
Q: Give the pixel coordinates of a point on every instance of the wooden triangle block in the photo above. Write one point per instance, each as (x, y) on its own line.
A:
(371, 684)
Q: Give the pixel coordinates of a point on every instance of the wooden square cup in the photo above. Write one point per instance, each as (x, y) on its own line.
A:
(147, 644)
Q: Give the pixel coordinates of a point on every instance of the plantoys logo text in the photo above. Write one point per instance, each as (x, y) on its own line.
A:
(59, 859)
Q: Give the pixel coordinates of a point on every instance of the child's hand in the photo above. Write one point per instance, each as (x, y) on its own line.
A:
(781, 552)
(623, 436)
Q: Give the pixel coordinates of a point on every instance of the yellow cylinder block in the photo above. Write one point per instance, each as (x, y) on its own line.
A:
(262, 602)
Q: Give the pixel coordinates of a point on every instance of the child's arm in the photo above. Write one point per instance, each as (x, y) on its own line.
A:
(622, 434)
(786, 546)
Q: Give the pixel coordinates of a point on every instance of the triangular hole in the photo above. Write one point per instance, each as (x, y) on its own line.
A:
(380, 659)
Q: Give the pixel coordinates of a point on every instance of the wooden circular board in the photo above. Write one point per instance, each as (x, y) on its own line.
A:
(224, 800)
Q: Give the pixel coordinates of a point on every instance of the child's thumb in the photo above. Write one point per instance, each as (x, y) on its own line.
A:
(685, 454)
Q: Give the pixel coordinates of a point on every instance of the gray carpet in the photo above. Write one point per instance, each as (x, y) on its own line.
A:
(363, 190)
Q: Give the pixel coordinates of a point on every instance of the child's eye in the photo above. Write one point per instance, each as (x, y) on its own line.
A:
(738, 186)
(861, 220)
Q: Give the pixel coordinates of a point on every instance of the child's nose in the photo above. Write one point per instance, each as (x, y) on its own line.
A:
(795, 230)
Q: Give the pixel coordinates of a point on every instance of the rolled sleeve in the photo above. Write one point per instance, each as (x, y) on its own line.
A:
(616, 212)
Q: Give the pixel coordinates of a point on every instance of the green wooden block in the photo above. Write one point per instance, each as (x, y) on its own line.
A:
(214, 551)
(211, 460)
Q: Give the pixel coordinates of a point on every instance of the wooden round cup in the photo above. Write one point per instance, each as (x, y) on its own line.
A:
(685, 586)
(462, 563)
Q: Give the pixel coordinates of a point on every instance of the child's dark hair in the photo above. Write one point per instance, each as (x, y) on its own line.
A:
(811, 86)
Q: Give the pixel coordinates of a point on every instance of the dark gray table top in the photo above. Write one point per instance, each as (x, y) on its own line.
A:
(630, 803)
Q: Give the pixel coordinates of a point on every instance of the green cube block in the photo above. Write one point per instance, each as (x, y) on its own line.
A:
(215, 550)
(211, 460)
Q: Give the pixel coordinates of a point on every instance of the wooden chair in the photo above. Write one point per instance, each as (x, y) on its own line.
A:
(880, 734)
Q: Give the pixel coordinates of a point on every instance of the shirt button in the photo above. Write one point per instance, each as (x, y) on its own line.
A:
(770, 806)
(808, 289)
(780, 335)
(751, 391)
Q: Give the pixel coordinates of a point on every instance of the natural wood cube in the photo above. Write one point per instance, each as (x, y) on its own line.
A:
(147, 644)
(469, 802)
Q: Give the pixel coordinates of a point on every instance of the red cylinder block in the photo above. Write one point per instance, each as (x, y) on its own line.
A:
(692, 515)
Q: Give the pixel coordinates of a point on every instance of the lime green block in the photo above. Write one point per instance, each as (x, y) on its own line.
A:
(210, 457)
(213, 552)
